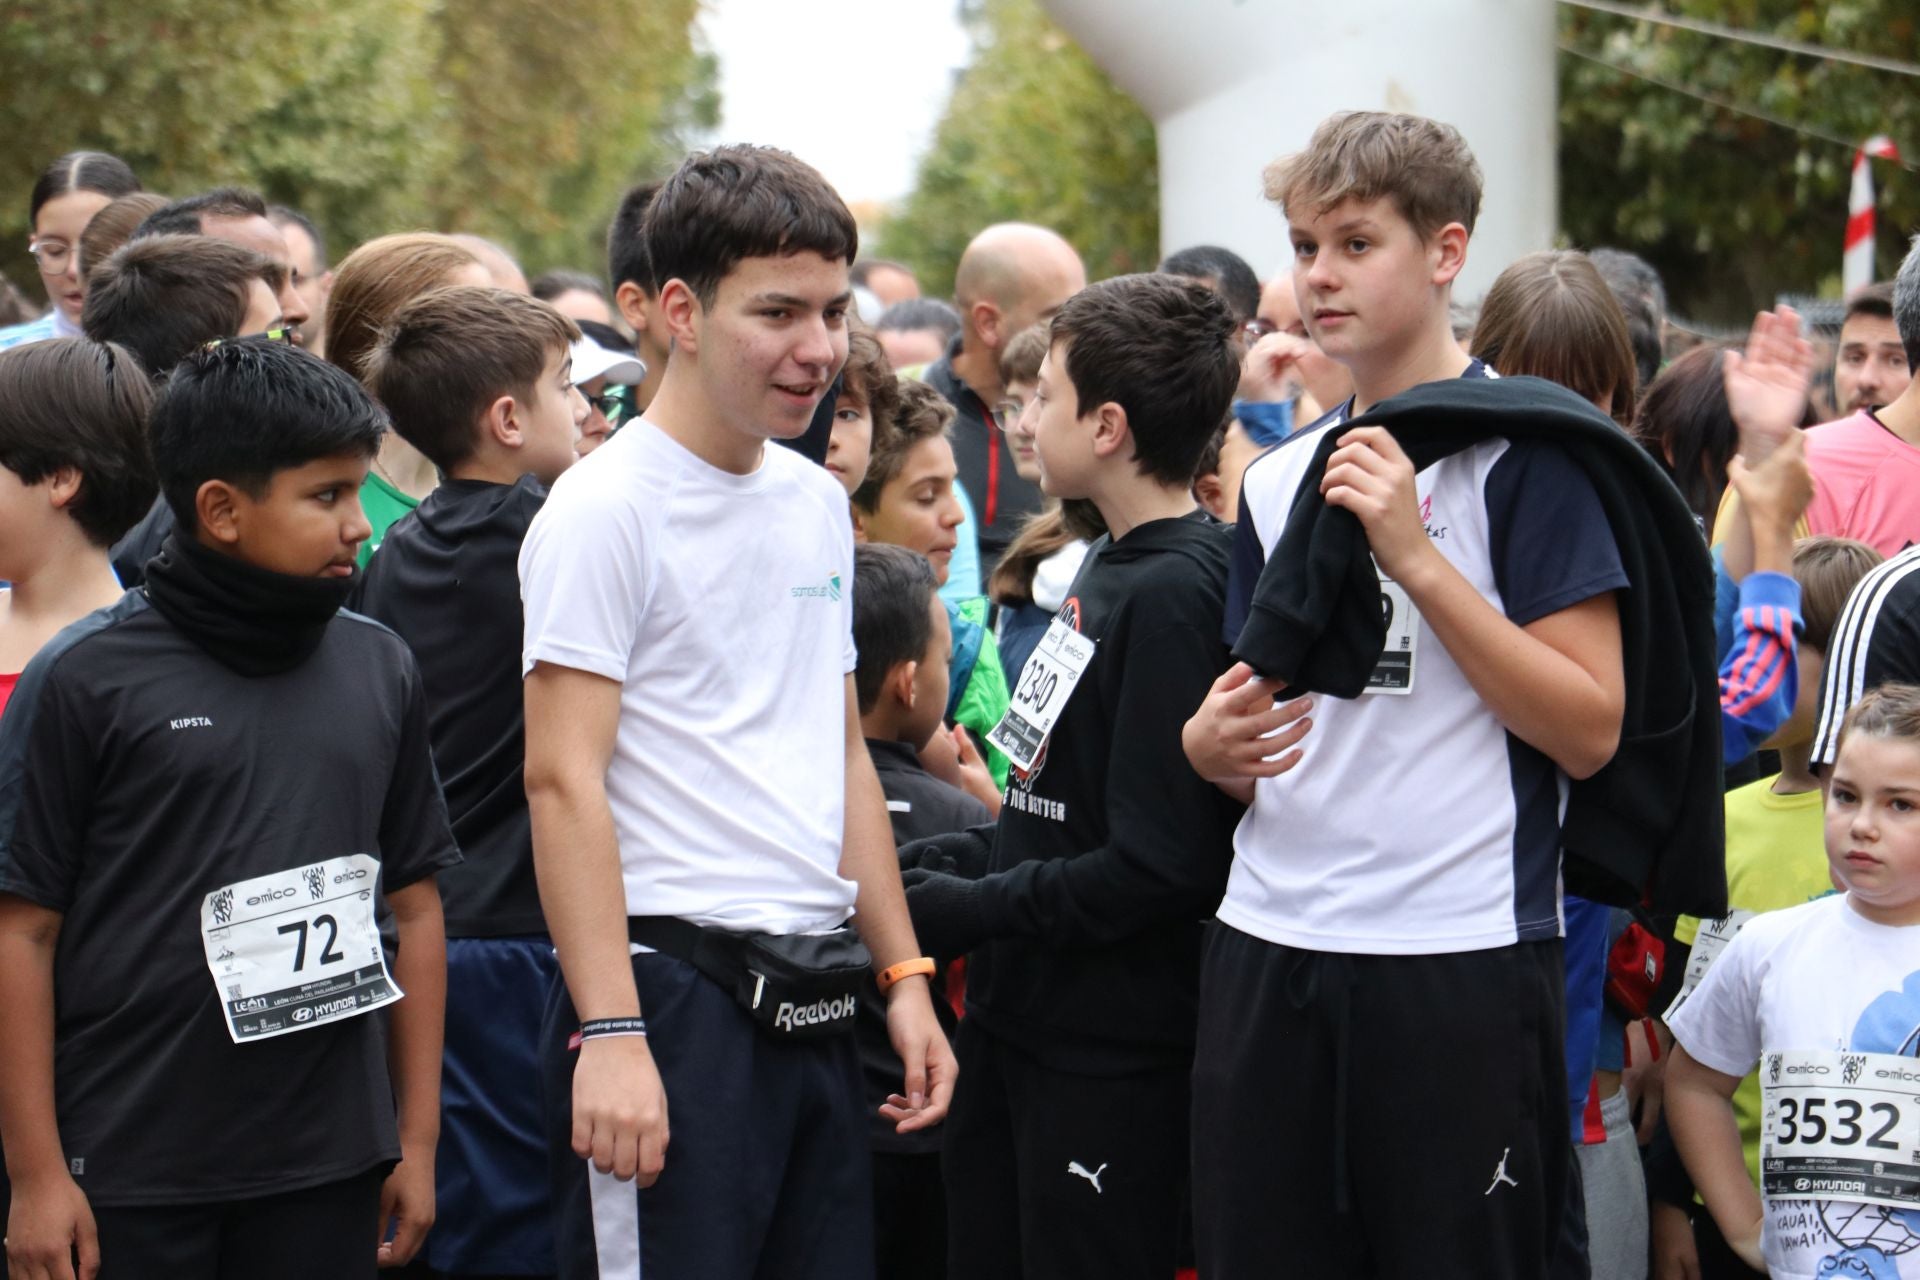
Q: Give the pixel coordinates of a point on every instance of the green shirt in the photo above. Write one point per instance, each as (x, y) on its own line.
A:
(986, 697)
(384, 506)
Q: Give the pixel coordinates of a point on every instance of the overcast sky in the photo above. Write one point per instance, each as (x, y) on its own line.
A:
(853, 87)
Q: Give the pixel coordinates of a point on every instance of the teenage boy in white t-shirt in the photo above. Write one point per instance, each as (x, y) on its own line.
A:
(1379, 1077)
(694, 756)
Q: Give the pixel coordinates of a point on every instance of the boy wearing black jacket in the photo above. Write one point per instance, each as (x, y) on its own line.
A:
(480, 381)
(900, 628)
(218, 796)
(1085, 931)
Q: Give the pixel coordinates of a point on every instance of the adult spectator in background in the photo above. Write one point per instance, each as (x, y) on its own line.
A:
(113, 226)
(606, 371)
(307, 254)
(1866, 466)
(1872, 458)
(1642, 297)
(574, 294)
(373, 283)
(888, 282)
(163, 298)
(503, 269)
(65, 197)
(1011, 276)
(917, 332)
(240, 216)
(1870, 370)
(1286, 381)
(1223, 271)
(636, 294)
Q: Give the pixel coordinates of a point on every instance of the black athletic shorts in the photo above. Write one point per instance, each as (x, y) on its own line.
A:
(1053, 1175)
(327, 1232)
(1379, 1115)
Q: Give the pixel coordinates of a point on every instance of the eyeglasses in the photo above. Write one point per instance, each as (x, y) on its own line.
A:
(285, 335)
(615, 404)
(1256, 329)
(52, 255)
(1008, 412)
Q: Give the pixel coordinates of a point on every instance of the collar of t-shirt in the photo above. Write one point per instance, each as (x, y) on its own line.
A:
(893, 755)
(1476, 368)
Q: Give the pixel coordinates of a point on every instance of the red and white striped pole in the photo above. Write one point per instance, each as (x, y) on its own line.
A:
(1856, 267)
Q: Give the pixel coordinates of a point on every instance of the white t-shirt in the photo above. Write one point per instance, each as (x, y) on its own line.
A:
(1818, 976)
(1415, 823)
(723, 606)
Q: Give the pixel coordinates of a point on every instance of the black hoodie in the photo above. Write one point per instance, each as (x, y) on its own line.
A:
(447, 580)
(1112, 852)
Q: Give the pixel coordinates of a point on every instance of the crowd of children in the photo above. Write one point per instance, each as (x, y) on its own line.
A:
(469, 807)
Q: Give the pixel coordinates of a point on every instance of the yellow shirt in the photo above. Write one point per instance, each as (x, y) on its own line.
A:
(1776, 858)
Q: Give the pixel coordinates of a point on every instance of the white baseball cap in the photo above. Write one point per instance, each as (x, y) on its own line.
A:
(591, 360)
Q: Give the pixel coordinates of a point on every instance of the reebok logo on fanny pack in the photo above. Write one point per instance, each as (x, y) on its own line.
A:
(791, 1017)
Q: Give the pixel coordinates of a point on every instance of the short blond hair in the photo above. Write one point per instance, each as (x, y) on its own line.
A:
(1423, 166)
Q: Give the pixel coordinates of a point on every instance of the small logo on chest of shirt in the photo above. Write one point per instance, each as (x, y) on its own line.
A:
(1426, 519)
(828, 590)
(191, 722)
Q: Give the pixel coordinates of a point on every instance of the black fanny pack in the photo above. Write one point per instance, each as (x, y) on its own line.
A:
(795, 986)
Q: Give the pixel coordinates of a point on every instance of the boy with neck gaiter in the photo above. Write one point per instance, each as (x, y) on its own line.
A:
(216, 796)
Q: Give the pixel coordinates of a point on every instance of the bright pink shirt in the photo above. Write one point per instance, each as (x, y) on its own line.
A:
(6, 689)
(1866, 483)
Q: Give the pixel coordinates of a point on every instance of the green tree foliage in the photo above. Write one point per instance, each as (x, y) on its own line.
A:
(1034, 132)
(1731, 208)
(556, 110)
(508, 117)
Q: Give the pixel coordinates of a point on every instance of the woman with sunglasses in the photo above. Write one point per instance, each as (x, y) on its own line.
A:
(67, 195)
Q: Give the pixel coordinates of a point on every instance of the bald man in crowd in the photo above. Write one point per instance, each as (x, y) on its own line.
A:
(1013, 275)
(499, 263)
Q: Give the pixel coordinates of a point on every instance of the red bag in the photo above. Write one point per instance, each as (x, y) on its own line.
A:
(1634, 967)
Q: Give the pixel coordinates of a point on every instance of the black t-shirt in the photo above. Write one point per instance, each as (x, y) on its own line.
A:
(447, 580)
(138, 775)
(1112, 851)
(919, 805)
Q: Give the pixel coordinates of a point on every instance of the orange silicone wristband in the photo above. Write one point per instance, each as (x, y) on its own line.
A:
(907, 969)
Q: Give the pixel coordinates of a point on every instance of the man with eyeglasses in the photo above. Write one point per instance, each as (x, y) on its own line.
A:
(239, 217)
(1286, 381)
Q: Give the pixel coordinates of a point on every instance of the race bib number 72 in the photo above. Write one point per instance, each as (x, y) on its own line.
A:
(297, 949)
(1840, 1126)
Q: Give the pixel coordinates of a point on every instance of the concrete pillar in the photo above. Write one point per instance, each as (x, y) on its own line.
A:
(1233, 84)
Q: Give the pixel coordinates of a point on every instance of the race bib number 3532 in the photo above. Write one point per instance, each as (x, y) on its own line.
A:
(1837, 1125)
(297, 949)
